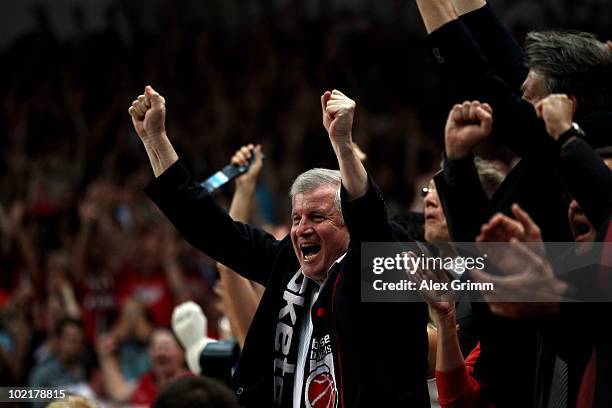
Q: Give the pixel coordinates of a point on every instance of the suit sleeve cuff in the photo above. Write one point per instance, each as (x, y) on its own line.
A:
(170, 181)
(370, 204)
(455, 171)
(452, 44)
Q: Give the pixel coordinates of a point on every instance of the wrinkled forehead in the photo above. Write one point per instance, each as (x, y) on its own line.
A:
(322, 199)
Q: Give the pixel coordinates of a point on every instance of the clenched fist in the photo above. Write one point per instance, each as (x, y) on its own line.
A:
(241, 158)
(467, 125)
(556, 111)
(338, 113)
(148, 114)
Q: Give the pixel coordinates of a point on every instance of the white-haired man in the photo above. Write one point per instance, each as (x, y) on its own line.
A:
(312, 343)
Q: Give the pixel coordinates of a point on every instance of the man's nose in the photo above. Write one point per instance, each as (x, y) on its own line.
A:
(430, 200)
(304, 227)
(574, 206)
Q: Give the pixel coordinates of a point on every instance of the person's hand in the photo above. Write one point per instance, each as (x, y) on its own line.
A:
(529, 287)
(11, 218)
(16, 213)
(609, 45)
(106, 345)
(443, 314)
(88, 211)
(441, 302)
(435, 298)
(557, 111)
(338, 113)
(502, 229)
(148, 114)
(241, 158)
(467, 125)
(21, 301)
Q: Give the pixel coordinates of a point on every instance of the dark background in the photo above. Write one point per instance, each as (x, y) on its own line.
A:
(232, 72)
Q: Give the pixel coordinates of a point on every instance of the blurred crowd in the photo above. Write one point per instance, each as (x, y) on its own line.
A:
(89, 269)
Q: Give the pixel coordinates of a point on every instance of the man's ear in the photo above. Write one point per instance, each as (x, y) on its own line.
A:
(574, 104)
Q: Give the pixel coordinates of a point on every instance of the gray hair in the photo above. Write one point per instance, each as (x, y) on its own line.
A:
(489, 175)
(572, 62)
(314, 178)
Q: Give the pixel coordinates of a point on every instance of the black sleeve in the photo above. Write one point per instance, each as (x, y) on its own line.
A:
(366, 217)
(463, 199)
(366, 221)
(497, 45)
(197, 216)
(472, 77)
(588, 179)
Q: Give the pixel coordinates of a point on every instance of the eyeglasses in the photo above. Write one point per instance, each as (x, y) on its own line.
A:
(427, 190)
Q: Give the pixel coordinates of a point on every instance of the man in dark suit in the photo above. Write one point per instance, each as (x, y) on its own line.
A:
(482, 62)
(312, 342)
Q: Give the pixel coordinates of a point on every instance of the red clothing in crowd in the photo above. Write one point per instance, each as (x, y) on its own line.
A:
(98, 303)
(147, 389)
(458, 388)
(152, 290)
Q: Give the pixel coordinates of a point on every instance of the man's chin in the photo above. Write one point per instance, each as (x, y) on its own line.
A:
(314, 273)
(588, 237)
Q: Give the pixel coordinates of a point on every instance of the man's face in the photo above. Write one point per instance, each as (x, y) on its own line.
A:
(436, 230)
(70, 344)
(582, 229)
(533, 88)
(318, 233)
(165, 354)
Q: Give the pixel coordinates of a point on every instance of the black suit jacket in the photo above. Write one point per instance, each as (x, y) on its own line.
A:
(482, 62)
(381, 354)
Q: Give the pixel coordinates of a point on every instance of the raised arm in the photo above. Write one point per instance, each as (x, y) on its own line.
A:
(190, 208)
(363, 208)
(473, 77)
(148, 114)
(462, 196)
(436, 13)
(338, 113)
(464, 7)
(238, 293)
(456, 387)
(585, 175)
(114, 382)
(495, 41)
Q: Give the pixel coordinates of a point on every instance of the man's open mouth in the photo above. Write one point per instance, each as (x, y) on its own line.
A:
(309, 251)
(581, 228)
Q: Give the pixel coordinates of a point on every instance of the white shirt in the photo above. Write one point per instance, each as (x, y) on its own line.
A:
(304, 344)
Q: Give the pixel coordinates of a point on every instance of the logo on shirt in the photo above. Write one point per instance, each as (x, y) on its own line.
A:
(321, 391)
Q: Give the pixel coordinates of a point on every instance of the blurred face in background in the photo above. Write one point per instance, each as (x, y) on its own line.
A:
(582, 228)
(149, 252)
(70, 344)
(436, 229)
(167, 357)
